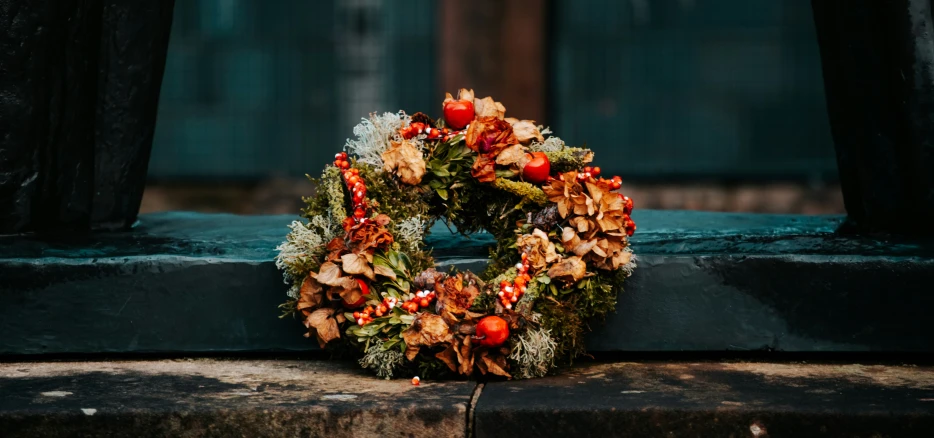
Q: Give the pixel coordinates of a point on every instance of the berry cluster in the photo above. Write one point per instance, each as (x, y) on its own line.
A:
(422, 300)
(355, 185)
(417, 128)
(510, 292)
(366, 316)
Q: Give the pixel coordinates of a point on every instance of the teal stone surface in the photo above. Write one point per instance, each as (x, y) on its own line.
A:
(186, 283)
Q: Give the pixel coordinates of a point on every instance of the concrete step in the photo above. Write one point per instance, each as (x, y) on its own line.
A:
(705, 282)
(279, 398)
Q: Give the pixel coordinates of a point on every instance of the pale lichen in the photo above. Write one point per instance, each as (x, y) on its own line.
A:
(302, 244)
(551, 144)
(533, 353)
(410, 232)
(373, 136)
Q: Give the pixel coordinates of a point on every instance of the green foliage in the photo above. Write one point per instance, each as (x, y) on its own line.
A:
(388, 196)
(564, 323)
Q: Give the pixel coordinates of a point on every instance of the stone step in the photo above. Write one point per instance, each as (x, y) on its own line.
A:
(277, 398)
(186, 283)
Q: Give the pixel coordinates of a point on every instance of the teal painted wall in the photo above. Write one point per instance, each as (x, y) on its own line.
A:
(669, 88)
(659, 88)
(259, 88)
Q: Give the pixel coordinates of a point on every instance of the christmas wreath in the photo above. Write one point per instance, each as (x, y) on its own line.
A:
(361, 276)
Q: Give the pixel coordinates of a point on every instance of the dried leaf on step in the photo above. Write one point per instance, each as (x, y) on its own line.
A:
(526, 131)
(406, 161)
(568, 270)
(428, 330)
(325, 326)
(357, 264)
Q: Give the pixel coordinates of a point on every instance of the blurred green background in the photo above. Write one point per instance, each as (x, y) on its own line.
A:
(674, 94)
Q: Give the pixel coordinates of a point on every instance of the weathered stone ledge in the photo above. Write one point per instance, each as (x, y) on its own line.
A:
(275, 398)
(186, 283)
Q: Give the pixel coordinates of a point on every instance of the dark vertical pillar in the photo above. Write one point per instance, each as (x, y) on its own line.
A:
(878, 63)
(132, 60)
(79, 87)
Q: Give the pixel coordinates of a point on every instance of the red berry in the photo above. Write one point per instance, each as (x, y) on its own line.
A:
(627, 205)
(359, 213)
(537, 169)
(458, 113)
(492, 331)
(424, 303)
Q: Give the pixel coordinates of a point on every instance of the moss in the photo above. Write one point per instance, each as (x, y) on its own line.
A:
(387, 195)
(566, 328)
(569, 158)
(524, 190)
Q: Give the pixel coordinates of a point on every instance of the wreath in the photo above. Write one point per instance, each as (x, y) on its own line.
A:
(363, 282)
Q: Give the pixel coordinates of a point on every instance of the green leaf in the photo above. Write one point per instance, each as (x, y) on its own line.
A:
(544, 279)
(443, 193)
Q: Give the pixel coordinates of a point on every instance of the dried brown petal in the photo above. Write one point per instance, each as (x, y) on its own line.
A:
(311, 295)
(541, 251)
(325, 326)
(357, 264)
(487, 107)
(526, 131)
(492, 362)
(406, 161)
(462, 94)
(569, 270)
(330, 274)
(489, 135)
(514, 154)
(449, 357)
(484, 169)
(427, 279)
(428, 330)
(454, 298)
(464, 356)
